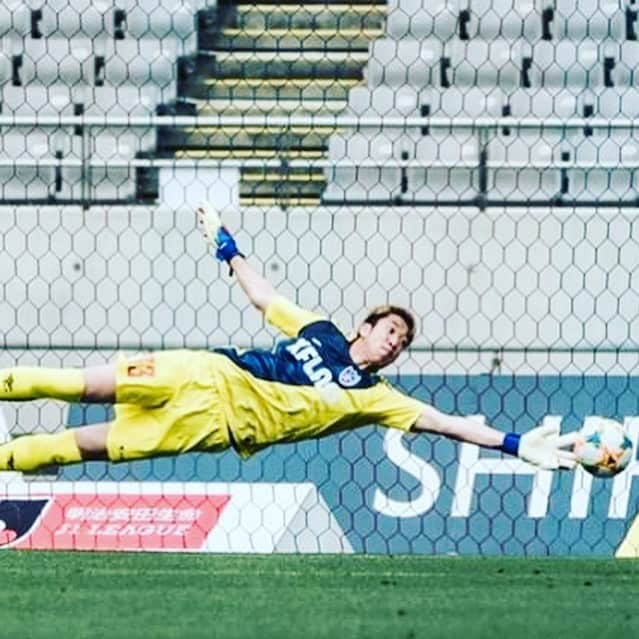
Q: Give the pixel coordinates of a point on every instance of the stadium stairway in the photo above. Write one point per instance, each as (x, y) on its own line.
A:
(271, 58)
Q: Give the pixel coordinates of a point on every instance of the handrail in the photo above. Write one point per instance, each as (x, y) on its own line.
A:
(292, 164)
(317, 120)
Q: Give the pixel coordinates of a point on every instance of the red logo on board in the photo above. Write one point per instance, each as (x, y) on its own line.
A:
(126, 522)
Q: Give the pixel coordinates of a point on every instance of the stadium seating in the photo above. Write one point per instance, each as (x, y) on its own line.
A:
(474, 102)
(411, 58)
(597, 19)
(448, 158)
(495, 63)
(279, 59)
(69, 19)
(617, 102)
(606, 152)
(61, 61)
(15, 18)
(73, 57)
(546, 103)
(525, 168)
(541, 63)
(166, 21)
(405, 62)
(436, 20)
(20, 176)
(140, 63)
(367, 102)
(491, 19)
(34, 100)
(364, 184)
(567, 64)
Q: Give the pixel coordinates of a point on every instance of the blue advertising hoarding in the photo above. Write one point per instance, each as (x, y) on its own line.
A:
(395, 493)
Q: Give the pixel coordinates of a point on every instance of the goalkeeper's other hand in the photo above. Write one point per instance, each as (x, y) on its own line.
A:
(216, 234)
(543, 447)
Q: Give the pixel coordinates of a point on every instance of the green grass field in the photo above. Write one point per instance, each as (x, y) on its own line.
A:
(73, 595)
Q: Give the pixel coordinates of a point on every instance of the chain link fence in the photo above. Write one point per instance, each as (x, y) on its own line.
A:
(474, 161)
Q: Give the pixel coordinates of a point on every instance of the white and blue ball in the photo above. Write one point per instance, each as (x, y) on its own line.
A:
(603, 448)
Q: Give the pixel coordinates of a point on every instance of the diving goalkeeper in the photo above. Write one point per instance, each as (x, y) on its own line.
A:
(314, 383)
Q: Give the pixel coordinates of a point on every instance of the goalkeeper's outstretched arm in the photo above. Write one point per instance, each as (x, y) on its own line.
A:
(542, 446)
(257, 288)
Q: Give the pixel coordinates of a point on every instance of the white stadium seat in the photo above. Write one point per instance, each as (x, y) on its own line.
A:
(36, 100)
(526, 172)
(382, 100)
(75, 18)
(393, 145)
(509, 19)
(152, 19)
(160, 19)
(443, 149)
(120, 142)
(567, 64)
(441, 184)
(15, 18)
(617, 102)
(597, 19)
(452, 180)
(471, 102)
(545, 103)
(494, 63)
(407, 62)
(28, 181)
(405, 101)
(59, 61)
(5, 68)
(357, 147)
(448, 146)
(529, 145)
(28, 144)
(31, 144)
(171, 22)
(138, 63)
(626, 56)
(421, 19)
(103, 183)
(119, 101)
(603, 150)
(357, 183)
(62, 69)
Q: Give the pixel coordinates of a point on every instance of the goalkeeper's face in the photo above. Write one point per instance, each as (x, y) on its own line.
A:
(383, 341)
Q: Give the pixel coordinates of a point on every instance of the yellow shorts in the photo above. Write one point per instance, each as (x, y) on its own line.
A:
(166, 403)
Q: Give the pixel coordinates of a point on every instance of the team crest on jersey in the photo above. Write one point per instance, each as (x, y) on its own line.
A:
(349, 377)
(143, 366)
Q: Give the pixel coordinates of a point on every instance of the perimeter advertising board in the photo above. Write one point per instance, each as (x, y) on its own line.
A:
(392, 493)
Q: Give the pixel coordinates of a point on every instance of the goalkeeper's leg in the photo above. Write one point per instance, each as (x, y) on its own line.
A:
(24, 383)
(32, 452)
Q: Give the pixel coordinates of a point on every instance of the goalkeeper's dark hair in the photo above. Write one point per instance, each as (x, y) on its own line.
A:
(379, 312)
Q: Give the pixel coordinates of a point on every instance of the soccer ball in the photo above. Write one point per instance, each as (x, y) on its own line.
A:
(603, 448)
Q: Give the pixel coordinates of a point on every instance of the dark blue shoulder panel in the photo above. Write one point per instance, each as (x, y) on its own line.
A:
(319, 355)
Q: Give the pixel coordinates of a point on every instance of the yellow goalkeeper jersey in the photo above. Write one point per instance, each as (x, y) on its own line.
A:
(306, 387)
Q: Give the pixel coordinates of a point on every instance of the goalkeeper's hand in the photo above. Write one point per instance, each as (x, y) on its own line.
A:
(543, 447)
(217, 235)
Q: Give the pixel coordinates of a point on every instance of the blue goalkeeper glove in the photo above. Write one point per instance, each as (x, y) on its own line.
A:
(217, 235)
(226, 246)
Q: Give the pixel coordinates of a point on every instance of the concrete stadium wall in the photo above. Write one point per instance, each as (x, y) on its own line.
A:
(141, 277)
